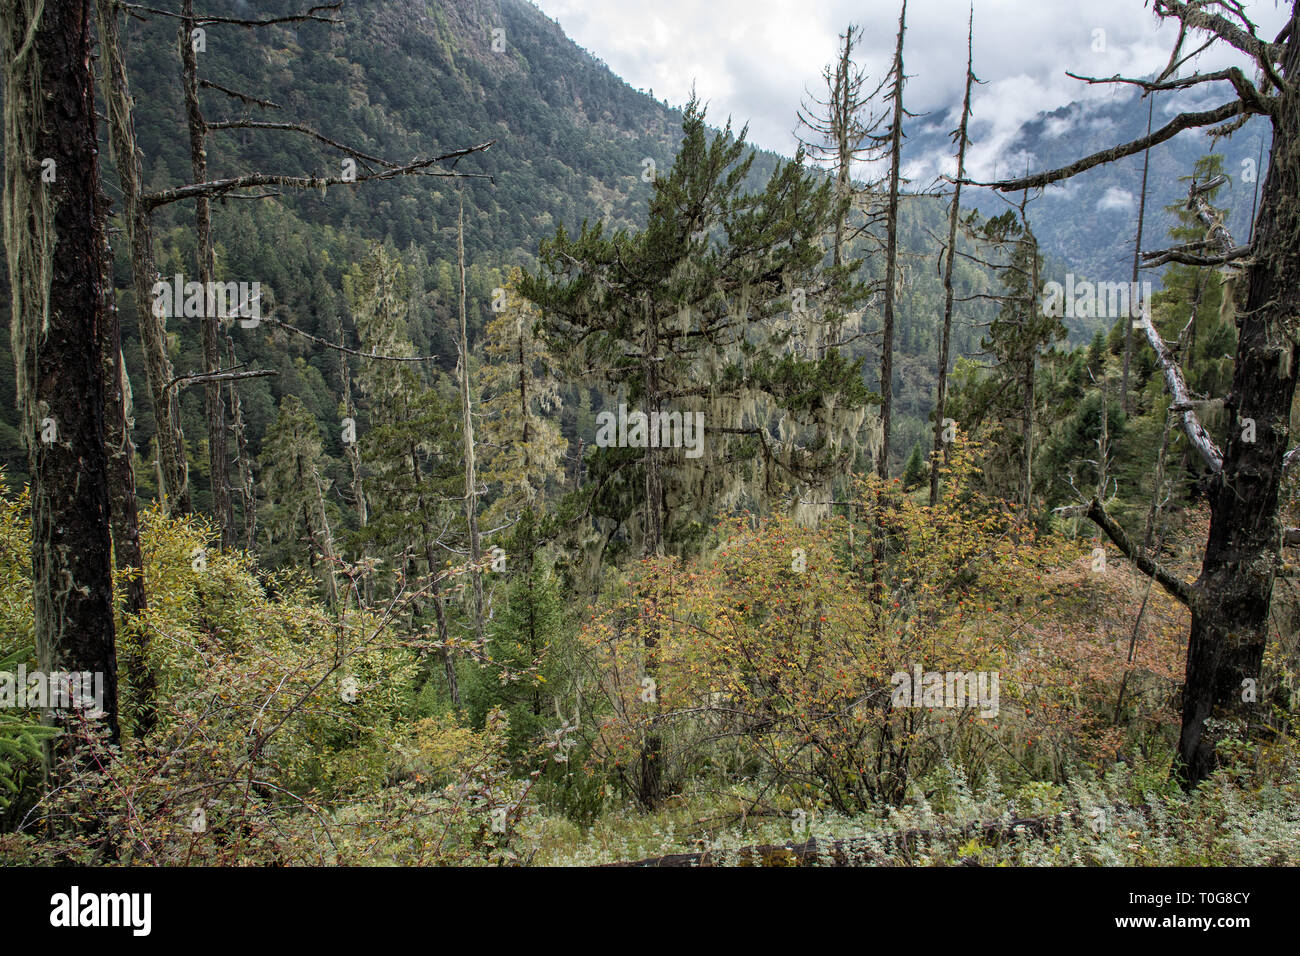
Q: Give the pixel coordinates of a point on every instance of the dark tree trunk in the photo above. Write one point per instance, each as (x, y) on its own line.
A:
(1231, 606)
(128, 558)
(54, 236)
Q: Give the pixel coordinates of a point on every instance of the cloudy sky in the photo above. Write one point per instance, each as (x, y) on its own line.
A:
(753, 59)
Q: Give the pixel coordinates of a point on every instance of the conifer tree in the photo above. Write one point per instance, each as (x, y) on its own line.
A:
(690, 316)
(293, 468)
(409, 442)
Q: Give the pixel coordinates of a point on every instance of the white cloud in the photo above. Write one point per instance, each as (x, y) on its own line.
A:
(1117, 200)
(753, 59)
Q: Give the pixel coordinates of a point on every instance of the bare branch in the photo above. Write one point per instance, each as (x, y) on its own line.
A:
(1258, 102)
(235, 94)
(343, 348)
(229, 375)
(1177, 588)
(1182, 399)
(312, 14)
(222, 186)
(306, 131)
(1179, 123)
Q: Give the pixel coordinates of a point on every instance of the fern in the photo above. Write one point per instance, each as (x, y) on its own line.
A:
(20, 739)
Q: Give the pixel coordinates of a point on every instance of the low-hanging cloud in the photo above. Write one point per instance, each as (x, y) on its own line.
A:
(754, 59)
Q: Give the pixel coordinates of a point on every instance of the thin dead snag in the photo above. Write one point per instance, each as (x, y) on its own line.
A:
(169, 442)
(895, 139)
(247, 489)
(1137, 262)
(954, 215)
(467, 426)
(214, 406)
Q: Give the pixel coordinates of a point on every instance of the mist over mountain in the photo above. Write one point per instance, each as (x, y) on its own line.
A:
(1089, 223)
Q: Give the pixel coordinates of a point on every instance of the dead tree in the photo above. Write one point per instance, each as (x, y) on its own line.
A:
(1137, 259)
(893, 137)
(840, 128)
(169, 441)
(213, 405)
(467, 434)
(139, 208)
(954, 213)
(1230, 599)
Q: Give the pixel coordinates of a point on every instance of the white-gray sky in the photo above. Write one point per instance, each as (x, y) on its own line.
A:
(753, 59)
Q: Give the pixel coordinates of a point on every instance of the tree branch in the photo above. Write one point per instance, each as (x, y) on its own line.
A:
(311, 15)
(1179, 123)
(306, 131)
(222, 186)
(1182, 399)
(343, 348)
(1177, 588)
(224, 376)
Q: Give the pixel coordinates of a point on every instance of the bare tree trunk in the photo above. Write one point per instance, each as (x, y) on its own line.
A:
(891, 247)
(353, 453)
(954, 215)
(169, 441)
(467, 426)
(213, 404)
(54, 237)
(653, 542)
(440, 614)
(326, 542)
(247, 488)
(435, 583)
(1027, 423)
(652, 755)
(1137, 259)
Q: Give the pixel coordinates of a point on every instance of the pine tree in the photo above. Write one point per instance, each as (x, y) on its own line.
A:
(293, 468)
(691, 316)
(914, 472)
(522, 671)
(410, 444)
